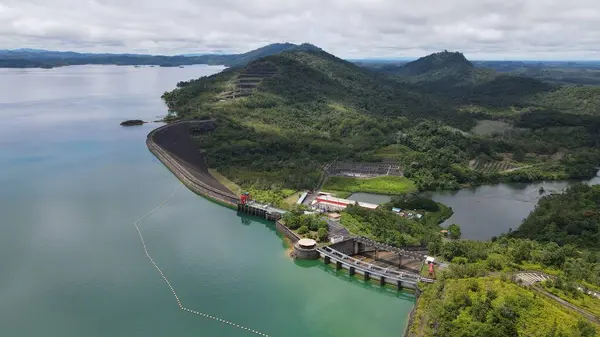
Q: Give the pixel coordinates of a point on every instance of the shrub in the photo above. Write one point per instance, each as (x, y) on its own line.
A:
(303, 230)
(495, 262)
(322, 234)
(460, 260)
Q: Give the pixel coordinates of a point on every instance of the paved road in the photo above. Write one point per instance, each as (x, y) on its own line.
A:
(530, 278)
(568, 305)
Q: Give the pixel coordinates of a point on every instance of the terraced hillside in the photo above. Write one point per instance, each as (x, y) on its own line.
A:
(493, 167)
(248, 79)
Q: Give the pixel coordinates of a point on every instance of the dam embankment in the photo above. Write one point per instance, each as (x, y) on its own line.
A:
(175, 148)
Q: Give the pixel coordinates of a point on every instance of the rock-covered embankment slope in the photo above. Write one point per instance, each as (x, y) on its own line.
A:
(174, 147)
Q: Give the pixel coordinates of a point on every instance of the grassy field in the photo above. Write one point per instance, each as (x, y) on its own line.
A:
(274, 197)
(233, 187)
(381, 185)
(291, 200)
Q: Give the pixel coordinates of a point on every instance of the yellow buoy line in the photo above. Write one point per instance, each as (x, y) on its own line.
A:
(195, 312)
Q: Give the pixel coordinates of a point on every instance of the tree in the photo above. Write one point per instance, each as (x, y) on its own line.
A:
(435, 245)
(519, 155)
(303, 230)
(586, 329)
(322, 234)
(454, 231)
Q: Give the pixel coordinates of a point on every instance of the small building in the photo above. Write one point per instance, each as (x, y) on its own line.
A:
(302, 198)
(396, 210)
(367, 205)
(328, 202)
(336, 239)
(419, 216)
(334, 216)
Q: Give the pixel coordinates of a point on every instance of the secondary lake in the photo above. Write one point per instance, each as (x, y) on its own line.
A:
(71, 262)
(489, 210)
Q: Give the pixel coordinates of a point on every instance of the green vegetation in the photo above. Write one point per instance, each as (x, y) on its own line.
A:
(480, 269)
(309, 108)
(474, 295)
(492, 307)
(568, 291)
(385, 226)
(572, 217)
(454, 231)
(311, 226)
(233, 187)
(380, 185)
(579, 73)
(275, 196)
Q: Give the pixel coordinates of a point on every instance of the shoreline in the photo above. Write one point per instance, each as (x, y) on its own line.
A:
(229, 200)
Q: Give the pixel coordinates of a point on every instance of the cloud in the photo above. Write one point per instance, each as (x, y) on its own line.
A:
(527, 29)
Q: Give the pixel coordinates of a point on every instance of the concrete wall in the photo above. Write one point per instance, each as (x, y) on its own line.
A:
(281, 228)
(305, 254)
(344, 247)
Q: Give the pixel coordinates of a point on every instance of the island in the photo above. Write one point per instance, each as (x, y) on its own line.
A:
(290, 136)
(132, 122)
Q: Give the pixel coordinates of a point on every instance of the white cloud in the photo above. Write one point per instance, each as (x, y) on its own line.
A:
(498, 29)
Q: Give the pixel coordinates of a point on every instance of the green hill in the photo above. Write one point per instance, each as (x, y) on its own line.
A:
(282, 117)
(572, 217)
(451, 76)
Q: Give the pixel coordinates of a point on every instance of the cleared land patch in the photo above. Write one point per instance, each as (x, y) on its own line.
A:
(490, 127)
(381, 185)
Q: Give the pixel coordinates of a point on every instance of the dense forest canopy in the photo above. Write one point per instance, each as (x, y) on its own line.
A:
(478, 295)
(572, 217)
(281, 118)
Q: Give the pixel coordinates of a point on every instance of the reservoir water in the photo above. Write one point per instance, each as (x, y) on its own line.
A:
(487, 211)
(71, 263)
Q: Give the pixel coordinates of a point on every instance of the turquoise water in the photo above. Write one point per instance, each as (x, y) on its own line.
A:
(71, 263)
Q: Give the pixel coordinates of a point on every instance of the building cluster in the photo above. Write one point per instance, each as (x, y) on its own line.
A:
(407, 214)
(328, 203)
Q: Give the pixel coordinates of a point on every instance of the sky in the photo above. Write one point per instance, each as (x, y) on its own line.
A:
(481, 29)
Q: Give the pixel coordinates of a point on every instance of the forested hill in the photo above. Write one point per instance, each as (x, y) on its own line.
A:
(485, 91)
(308, 77)
(28, 58)
(435, 66)
(284, 116)
(572, 217)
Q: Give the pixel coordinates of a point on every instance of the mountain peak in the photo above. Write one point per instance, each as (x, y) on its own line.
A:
(444, 61)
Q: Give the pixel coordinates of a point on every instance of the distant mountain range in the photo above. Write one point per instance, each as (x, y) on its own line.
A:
(37, 58)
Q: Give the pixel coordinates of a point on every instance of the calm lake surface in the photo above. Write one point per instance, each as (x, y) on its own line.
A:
(376, 199)
(491, 210)
(71, 263)
(486, 211)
